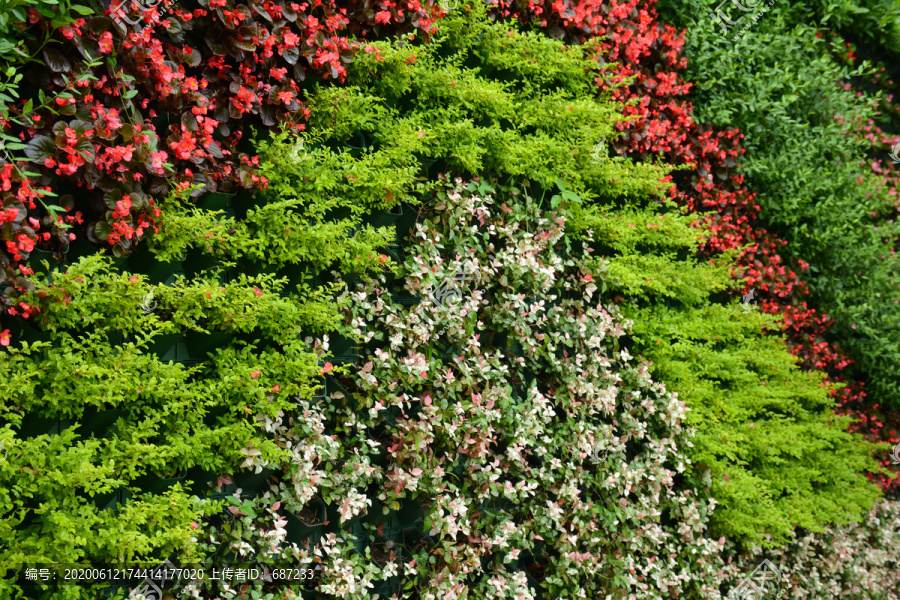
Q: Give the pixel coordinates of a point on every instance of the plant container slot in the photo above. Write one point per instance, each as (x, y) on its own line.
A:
(146, 263)
(359, 140)
(252, 482)
(198, 261)
(243, 202)
(359, 533)
(384, 218)
(216, 201)
(112, 500)
(40, 257)
(33, 426)
(410, 513)
(309, 532)
(163, 346)
(99, 422)
(155, 484)
(338, 345)
(80, 247)
(200, 481)
(202, 344)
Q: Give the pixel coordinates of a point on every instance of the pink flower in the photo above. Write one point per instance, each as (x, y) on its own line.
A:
(255, 374)
(106, 43)
(4, 337)
(327, 368)
(276, 388)
(156, 161)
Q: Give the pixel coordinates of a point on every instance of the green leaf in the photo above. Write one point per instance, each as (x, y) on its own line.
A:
(56, 60)
(102, 230)
(40, 148)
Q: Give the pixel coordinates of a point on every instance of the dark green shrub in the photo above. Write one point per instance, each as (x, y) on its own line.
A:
(783, 88)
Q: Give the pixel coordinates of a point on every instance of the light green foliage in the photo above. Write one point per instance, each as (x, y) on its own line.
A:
(70, 528)
(486, 99)
(652, 248)
(295, 222)
(130, 419)
(170, 418)
(778, 457)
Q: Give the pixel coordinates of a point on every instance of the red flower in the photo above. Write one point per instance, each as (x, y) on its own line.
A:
(4, 337)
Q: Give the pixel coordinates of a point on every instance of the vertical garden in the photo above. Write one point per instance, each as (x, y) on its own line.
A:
(507, 300)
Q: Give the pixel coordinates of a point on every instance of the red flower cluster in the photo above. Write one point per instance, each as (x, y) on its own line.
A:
(170, 111)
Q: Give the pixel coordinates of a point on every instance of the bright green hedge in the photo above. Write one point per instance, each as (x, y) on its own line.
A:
(778, 457)
(133, 421)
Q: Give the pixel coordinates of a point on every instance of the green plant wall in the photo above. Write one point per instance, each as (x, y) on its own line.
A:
(516, 117)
